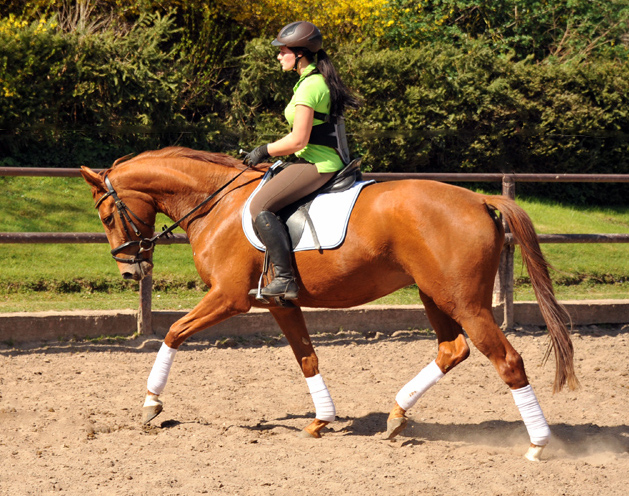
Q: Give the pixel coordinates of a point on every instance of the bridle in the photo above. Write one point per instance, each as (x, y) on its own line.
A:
(126, 218)
(146, 244)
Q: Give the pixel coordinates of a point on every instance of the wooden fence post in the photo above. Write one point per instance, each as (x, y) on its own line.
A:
(508, 189)
(503, 286)
(145, 315)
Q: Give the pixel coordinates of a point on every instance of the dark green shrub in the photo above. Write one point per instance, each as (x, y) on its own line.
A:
(90, 95)
(89, 90)
(562, 29)
(443, 109)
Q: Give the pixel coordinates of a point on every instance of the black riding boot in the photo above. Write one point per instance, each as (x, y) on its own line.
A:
(275, 237)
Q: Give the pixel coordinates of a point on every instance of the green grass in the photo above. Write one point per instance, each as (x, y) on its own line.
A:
(583, 270)
(75, 276)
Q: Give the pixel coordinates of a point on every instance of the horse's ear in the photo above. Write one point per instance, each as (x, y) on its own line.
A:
(92, 178)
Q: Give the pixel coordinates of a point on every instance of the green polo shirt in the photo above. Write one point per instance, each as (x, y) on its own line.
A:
(313, 92)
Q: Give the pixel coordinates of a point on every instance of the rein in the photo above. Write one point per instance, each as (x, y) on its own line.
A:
(147, 244)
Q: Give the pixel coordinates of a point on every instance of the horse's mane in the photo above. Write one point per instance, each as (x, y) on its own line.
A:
(182, 152)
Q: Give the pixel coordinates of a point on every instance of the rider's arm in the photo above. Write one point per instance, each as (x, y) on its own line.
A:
(298, 138)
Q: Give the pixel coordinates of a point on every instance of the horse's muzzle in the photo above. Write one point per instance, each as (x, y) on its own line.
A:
(137, 271)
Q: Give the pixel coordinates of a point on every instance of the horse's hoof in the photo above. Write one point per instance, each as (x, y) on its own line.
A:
(152, 408)
(534, 453)
(314, 429)
(394, 427)
(309, 434)
(304, 434)
(150, 412)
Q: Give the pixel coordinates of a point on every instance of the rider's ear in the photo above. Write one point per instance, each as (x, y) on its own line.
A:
(92, 178)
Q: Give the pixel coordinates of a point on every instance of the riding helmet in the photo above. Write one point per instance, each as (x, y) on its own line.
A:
(300, 34)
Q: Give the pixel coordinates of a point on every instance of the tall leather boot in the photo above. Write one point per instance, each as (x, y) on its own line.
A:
(274, 235)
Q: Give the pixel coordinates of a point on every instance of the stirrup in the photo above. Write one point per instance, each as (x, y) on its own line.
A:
(279, 295)
(285, 294)
(257, 293)
(281, 298)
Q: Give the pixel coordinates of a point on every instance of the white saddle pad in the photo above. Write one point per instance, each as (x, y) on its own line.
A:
(329, 213)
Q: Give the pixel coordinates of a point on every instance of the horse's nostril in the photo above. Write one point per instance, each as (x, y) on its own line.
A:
(127, 275)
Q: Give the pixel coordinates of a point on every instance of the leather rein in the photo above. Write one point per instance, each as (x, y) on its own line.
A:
(126, 217)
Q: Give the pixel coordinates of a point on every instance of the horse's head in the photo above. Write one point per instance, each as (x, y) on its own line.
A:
(128, 216)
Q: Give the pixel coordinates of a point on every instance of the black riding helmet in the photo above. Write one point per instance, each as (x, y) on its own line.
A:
(300, 34)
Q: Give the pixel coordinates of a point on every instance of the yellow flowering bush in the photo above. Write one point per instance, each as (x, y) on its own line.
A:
(13, 25)
(339, 20)
(15, 33)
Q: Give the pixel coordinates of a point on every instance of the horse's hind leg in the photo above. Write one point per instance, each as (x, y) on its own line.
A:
(453, 349)
(491, 341)
(291, 321)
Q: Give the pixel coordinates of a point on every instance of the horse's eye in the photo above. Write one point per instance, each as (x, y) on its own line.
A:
(108, 220)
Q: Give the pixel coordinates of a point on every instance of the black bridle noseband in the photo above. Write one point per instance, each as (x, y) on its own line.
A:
(126, 217)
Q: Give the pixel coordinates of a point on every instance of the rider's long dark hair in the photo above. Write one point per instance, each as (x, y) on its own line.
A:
(340, 95)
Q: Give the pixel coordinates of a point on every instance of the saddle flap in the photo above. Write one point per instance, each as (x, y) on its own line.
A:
(295, 217)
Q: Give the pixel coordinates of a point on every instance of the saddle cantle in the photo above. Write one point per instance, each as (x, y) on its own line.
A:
(325, 211)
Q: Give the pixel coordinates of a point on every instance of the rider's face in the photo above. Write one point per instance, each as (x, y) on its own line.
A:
(286, 58)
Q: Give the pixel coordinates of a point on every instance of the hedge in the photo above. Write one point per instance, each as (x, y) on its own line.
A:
(438, 108)
(89, 97)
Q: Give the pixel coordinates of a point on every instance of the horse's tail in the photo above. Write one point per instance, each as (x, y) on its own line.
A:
(555, 315)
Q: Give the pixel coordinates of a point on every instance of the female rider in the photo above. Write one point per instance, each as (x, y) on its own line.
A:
(319, 96)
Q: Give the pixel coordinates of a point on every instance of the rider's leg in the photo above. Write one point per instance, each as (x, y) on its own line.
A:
(292, 184)
(273, 234)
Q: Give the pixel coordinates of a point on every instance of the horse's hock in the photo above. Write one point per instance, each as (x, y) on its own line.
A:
(24, 327)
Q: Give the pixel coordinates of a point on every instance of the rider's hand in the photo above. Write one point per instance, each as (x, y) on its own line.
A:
(256, 156)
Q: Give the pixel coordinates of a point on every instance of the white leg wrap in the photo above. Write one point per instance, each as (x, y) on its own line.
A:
(532, 415)
(428, 377)
(159, 373)
(321, 398)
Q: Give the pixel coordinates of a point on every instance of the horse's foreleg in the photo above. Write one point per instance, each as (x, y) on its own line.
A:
(211, 310)
(491, 341)
(293, 325)
(156, 383)
(453, 349)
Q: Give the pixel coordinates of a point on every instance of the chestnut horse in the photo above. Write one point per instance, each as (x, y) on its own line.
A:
(443, 238)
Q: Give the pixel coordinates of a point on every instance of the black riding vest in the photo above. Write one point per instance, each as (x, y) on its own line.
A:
(331, 133)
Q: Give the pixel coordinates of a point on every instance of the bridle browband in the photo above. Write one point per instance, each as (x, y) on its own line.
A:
(126, 214)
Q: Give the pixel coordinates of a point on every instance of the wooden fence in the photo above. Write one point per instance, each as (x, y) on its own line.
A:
(503, 288)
